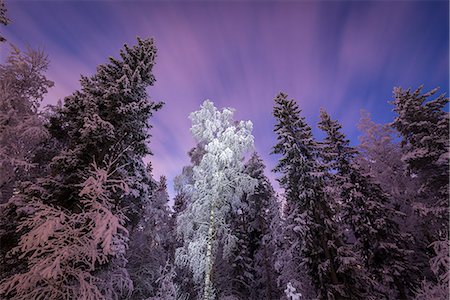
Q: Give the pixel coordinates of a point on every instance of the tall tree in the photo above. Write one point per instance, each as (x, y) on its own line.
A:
(262, 212)
(22, 88)
(423, 125)
(379, 157)
(151, 245)
(64, 248)
(252, 272)
(367, 210)
(312, 238)
(106, 120)
(109, 115)
(183, 188)
(3, 18)
(219, 182)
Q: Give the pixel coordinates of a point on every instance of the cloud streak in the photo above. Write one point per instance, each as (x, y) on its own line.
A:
(341, 56)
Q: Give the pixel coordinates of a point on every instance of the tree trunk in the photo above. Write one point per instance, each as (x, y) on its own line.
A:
(208, 292)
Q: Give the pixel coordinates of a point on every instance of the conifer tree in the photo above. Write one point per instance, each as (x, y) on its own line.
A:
(3, 18)
(219, 182)
(263, 212)
(367, 210)
(22, 88)
(109, 115)
(312, 238)
(379, 157)
(152, 244)
(424, 128)
(253, 269)
(423, 125)
(107, 120)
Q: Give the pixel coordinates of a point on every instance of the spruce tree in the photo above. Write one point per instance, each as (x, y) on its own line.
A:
(379, 157)
(423, 124)
(3, 18)
(105, 122)
(366, 209)
(263, 211)
(23, 85)
(424, 128)
(252, 271)
(312, 238)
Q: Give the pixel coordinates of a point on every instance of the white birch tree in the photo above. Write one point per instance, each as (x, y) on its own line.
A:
(219, 182)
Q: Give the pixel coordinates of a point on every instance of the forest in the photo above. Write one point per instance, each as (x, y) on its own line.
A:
(83, 217)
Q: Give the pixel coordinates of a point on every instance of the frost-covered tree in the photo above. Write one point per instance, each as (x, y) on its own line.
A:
(366, 208)
(423, 125)
(379, 158)
(151, 245)
(3, 18)
(107, 118)
(64, 248)
(424, 128)
(253, 272)
(22, 88)
(110, 114)
(182, 186)
(219, 182)
(311, 236)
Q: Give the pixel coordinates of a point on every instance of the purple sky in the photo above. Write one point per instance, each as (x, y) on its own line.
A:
(343, 56)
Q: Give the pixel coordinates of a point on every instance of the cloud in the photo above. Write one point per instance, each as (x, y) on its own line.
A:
(340, 56)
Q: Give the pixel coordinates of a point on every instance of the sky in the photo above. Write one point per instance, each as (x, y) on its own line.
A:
(343, 56)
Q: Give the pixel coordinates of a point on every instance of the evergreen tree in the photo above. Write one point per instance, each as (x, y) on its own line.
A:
(22, 88)
(152, 244)
(64, 248)
(109, 115)
(219, 182)
(423, 125)
(263, 212)
(312, 239)
(366, 209)
(379, 157)
(3, 18)
(253, 269)
(107, 120)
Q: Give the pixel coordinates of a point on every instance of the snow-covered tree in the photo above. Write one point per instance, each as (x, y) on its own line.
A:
(366, 209)
(219, 182)
(22, 88)
(252, 271)
(182, 186)
(379, 158)
(312, 239)
(3, 18)
(110, 114)
(423, 125)
(107, 118)
(438, 288)
(151, 245)
(64, 249)
(424, 128)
